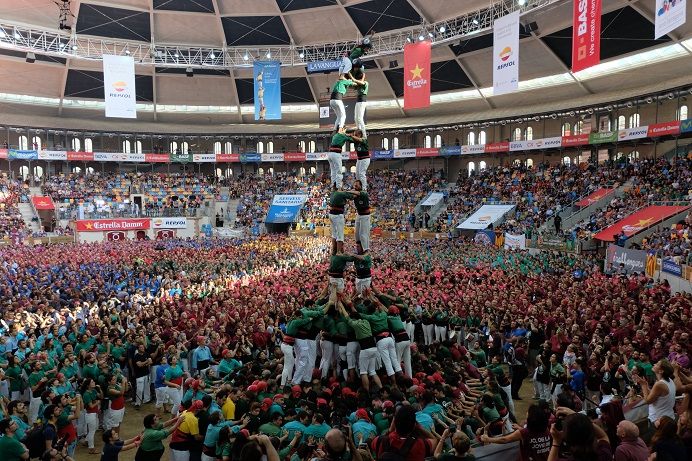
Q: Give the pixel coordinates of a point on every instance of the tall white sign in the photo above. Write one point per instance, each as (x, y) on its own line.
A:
(670, 14)
(119, 86)
(506, 54)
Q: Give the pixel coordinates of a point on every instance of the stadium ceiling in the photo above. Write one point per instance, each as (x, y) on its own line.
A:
(461, 65)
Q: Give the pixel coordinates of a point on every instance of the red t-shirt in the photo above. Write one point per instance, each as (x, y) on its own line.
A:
(421, 448)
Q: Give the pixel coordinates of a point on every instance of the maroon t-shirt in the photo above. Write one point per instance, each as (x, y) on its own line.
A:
(421, 448)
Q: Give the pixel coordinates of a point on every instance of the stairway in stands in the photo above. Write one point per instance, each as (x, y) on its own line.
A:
(232, 208)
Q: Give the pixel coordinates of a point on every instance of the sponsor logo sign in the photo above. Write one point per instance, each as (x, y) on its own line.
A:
(294, 157)
(427, 152)
(603, 137)
(664, 129)
(633, 133)
(272, 157)
(497, 147)
(53, 155)
(204, 158)
(105, 225)
(169, 223)
(405, 153)
(324, 66)
(586, 34)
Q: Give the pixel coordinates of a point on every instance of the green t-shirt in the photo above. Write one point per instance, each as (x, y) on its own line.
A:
(363, 89)
(362, 203)
(341, 86)
(378, 321)
(11, 449)
(15, 375)
(363, 267)
(35, 378)
(337, 201)
(152, 437)
(337, 264)
(361, 327)
(356, 53)
(339, 139)
(271, 429)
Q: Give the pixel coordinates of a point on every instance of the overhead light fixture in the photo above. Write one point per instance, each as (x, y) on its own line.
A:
(62, 45)
(30, 58)
(176, 55)
(521, 2)
(442, 29)
(421, 37)
(475, 21)
(609, 108)
(629, 104)
(2, 34)
(409, 39)
(649, 100)
(189, 72)
(245, 56)
(127, 52)
(553, 116)
(212, 55)
(671, 96)
(74, 47)
(301, 55)
(269, 54)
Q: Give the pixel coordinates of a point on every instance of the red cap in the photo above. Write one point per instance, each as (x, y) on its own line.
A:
(262, 386)
(267, 401)
(321, 401)
(196, 405)
(296, 390)
(245, 433)
(327, 391)
(347, 391)
(393, 310)
(387, 404)
(278, 396)
(252, 388)
(362, 414)
(225, 351)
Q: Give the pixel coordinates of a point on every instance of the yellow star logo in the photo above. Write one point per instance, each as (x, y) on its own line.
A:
(89, 225)
(416, 72)
(644, 222)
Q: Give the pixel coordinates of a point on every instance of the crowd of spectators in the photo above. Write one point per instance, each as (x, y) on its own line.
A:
(84, 325)
(673, 243)
(12, 192)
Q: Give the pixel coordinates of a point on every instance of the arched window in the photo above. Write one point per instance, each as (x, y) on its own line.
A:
(301, 146)
(138, 147)
(36, 143)
(219, 172)
(634, 120)
(621, 122)
(566, 129)
(528, 133)
(229, 172)
(260, 171)
(482, 137)
(217, 148)
(76, 144)
(529, 162)
(184, 147)
(578, 127)
(343, 169)
(23, 170)
(682, 113)
(353, 169)
(312, 146)
(89, 170)
(438, 140)
(127, 147)
(271, 170)
(270, 147)
(260, 148)
(38, 171)
(516, 162)
(471, 167)
(516, 135)
(471, 139)
(301, 171)
(313, 170)
(619, 155)
(88, 145)
(173, 147)
(227, 147)
(428, 142)
(632, 156)
(23, 144)
(566, 161)
(482, 165)
(76, 169)
(385, 143)
(395, 143)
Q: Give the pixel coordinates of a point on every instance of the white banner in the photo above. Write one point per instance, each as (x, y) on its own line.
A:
(633, 133)
(433, 199)
(517, 145)
(549, 143)
(506, 54)
(169, 223)
(473, 149)
(405, 153)
(289, 200)
(272, 157)
(119, 86)
(134, 157)
(52, 155)
(670, 14)
(485, 216)
(204, 158)
(110, 157)
(316, 156)
(515, 241)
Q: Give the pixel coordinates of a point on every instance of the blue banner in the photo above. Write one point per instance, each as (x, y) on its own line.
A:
(485, 237)
(450, 151)
(14, 154)
(671, 267)
(285, 208)
(250, 157)
(324, 66)
(267, 77)
(383, 154)
(686, 126)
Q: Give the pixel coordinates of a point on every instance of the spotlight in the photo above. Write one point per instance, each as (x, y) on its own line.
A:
(553, 116)
(589, 111)
(30, 58)
(475, 21)
(421, 37)
(301, 55)
(269, 55)
(671, 96)
(409, 39)
(62, 45)
(74, 47)
(521, 2)
(649, 100)
(127, 52)
(431, 35)
(189, 72)
(176, 55)
(212, 55)
(572, 113)
(2, 34)
(609, 108)
(442, 29)
(246, 57)
(629, 104)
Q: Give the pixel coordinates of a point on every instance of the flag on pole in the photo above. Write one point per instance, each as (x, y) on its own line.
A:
(417, 75)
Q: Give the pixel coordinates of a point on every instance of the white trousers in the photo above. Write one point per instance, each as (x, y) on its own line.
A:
(367, 361)
(113, 418)
(440, 333)
(312, 357)
(363, 231)
(34, 405)
(179, 455)
(387, 351)
(363, 284)
(92, 424)
(403, 354)
(302, 349)
(338, 223)
(337, 106)
(352, 352)
(508, 391)
(362, 166)
(428, 334)
(359, 116)
(143, 393)
(175, 395)
(327, 357)
(289, 363)
(410, 330)
(335, 169)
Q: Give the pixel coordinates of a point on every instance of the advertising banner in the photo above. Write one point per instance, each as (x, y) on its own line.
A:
(180, 157)
(383, 155)
(14, 154)
(294, 157)
(506, 54)
(576, 140)
(119, 86)
(285, 208)
(473, 149)
(104, 225)
(53, 155)
(686, 126)
(272, 157)
(433, 199)
(135, 158)
(115, 236)
(169, 223)
(42, 202)
(316, 156)
(485, 216)
(417, 75)
(603, 137)
(670, 14)
(3, 153)
(405, 153)
(515, 241)
(496, 147)
(633, 133)
(517, 146)
(485, 237)
(671, 267)
(664, 129)
(586, 34)
(552, 143)
(324, 66)
(227, 158)
(450, 151)
(109, 156)
(639, 221)
(267, 78)
(427, 152)
(204, 158)
(250, 157)
(595, 197)
(165, 234)
(80, 156)
(157, 158)
(631, 260)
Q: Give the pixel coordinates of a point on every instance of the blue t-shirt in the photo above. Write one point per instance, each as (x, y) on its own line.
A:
(577, 383)
(160, 376)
